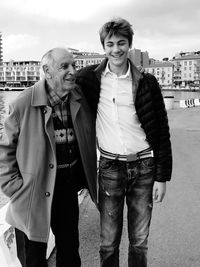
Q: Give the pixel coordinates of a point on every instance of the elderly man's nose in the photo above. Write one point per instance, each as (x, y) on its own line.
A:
(71, 69)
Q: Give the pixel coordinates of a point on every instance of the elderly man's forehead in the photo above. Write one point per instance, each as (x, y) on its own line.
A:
(60, 54)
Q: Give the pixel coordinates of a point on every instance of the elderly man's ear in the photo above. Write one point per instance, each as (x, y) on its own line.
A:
(46, 71)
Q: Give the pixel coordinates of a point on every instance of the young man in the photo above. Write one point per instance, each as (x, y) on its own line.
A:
(134, 143)
(48, 152)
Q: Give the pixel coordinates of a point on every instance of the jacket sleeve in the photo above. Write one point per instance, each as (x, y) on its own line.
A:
(90, 86)
(164, 151)
(10, 177)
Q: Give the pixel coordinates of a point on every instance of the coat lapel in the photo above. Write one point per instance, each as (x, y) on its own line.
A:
(100, 68)
(75, 103)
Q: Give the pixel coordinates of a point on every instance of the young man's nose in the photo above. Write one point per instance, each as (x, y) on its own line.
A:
(116, 48)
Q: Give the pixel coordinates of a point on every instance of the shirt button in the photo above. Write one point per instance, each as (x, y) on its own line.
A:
(51, 166)
(47, 194)
(113, 100)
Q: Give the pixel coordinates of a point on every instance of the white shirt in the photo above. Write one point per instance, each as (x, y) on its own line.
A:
(117, 125)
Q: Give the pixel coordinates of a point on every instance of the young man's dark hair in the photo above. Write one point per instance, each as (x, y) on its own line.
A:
(117, 26)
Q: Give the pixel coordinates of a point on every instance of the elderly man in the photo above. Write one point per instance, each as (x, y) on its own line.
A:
(47, 153)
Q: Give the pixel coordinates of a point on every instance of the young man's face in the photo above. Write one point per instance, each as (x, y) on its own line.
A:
(116, 48)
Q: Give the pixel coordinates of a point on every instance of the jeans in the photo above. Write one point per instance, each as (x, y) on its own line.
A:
(133, 182)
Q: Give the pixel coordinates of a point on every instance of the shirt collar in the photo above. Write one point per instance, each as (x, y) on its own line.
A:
(54, 99)
(126, 75)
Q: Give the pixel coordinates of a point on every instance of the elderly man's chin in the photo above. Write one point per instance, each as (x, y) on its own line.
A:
(69, 87)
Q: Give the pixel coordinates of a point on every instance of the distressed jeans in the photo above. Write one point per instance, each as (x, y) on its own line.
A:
(121, 181)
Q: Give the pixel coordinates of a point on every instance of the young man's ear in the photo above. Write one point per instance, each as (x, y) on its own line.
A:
(141, 69)
(46, 71)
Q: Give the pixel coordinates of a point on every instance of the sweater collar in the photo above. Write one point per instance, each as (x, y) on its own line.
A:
(40, 98)
(136, 74)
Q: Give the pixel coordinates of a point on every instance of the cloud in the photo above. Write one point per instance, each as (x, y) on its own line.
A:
(61, 9)
(14, 43)
(160, 46)
(161, 27)
(85, 46)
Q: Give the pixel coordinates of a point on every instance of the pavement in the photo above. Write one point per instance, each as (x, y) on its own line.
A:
(174, 239)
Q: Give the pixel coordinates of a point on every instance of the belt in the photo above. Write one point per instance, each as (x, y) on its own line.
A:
(147, 153)
(67, 165)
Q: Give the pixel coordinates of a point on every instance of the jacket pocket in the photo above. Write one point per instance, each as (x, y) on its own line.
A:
(10, 188)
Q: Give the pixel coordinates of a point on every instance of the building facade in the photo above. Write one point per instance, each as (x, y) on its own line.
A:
(187, 69)
(1, 50)
(19, 73)
(86, 60)
(139, 58)
(163, 71)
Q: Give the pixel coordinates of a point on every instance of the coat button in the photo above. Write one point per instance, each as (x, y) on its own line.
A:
(51, 166)
(47, 194)
(45, 111)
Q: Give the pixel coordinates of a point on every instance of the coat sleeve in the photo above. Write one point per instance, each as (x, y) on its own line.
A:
(10, 177)
(164, 150)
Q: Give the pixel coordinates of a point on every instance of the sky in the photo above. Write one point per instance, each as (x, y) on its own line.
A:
(161, 27)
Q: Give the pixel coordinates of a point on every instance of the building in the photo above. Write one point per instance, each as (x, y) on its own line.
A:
(86, 60)
(19, 73)
(1, 50)
(139, 58)
(163, 71)
(76, 52)
(187, 69)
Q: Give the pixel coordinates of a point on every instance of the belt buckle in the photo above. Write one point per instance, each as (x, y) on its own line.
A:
(131, 157)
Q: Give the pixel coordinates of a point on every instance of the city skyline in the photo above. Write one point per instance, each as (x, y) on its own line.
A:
(161, 27)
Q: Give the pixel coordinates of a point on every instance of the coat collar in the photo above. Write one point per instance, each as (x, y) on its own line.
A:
(39, 96)
(136, 74)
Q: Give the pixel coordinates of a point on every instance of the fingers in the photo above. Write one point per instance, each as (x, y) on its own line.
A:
(159, 190)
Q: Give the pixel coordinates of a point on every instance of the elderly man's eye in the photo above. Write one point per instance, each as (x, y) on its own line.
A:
(65, 66)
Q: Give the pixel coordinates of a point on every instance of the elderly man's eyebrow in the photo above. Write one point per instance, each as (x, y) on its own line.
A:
(64, 65)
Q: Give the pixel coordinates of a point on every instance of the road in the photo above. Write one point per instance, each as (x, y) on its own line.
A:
(174, 239)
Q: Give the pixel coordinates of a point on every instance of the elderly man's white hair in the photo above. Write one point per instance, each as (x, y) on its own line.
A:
(48, 58)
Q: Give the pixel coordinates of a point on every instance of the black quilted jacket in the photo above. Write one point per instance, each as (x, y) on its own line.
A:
(150, 109)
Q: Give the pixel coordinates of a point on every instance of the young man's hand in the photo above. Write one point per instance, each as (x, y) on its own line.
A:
(159, 190)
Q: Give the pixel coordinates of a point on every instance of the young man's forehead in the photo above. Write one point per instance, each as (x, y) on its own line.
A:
(115, 37)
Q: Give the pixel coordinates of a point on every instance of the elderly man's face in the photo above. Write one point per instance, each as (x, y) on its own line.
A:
(63, 72)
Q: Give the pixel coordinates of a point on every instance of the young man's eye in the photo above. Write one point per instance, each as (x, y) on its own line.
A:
(109, 45)
(121, 44)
